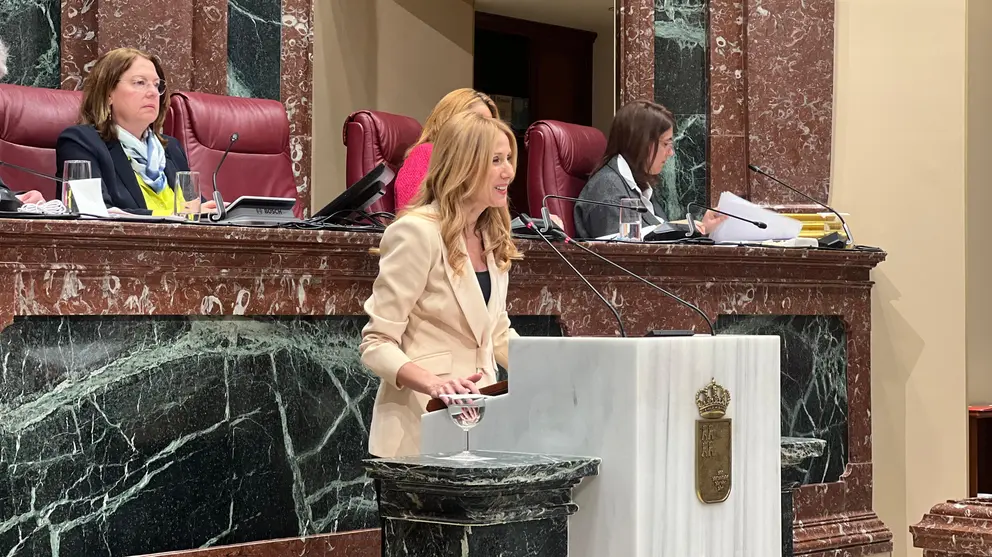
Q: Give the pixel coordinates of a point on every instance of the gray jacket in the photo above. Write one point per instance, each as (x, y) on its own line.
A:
(607, 185)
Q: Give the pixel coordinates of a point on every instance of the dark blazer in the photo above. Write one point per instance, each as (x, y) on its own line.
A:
(109, 162)
(607, 185)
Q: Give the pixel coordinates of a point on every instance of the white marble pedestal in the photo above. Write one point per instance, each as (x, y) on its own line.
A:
(631, 402)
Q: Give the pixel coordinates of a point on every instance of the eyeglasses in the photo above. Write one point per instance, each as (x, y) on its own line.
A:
(142, 84)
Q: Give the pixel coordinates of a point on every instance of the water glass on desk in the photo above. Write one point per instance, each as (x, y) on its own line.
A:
(73, 170)
(630, 220)
(187, 196)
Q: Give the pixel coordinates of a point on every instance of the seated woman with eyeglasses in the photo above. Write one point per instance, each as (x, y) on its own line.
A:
(120, 134)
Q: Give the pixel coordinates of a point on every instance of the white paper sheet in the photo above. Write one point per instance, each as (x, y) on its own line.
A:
(88, 196)
(732, 230)
(645, 230)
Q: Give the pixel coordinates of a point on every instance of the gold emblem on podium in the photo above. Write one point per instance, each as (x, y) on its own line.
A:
(713, 444)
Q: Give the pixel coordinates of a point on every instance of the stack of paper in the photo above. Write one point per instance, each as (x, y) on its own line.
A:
(779, 227)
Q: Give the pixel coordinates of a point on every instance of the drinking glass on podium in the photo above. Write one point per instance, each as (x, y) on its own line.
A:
(466, 410)
(187, 196)
(630, 220)
(73, 170)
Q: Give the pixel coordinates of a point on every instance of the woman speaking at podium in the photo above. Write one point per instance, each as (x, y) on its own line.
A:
(437, 314)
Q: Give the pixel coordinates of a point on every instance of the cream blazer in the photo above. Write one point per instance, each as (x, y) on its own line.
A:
(421, 311)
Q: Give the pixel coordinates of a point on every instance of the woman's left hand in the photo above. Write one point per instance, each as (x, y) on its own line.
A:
(32, 196)
(558, 222)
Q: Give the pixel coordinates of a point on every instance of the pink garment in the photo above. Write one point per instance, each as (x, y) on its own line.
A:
(411, 175)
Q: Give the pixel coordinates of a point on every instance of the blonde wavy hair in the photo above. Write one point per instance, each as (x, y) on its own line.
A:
(459, 168)
(455, 102)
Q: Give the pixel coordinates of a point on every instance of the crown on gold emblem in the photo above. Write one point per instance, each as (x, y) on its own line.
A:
(712, 400)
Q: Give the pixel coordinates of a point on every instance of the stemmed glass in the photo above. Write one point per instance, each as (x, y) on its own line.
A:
(466, 410)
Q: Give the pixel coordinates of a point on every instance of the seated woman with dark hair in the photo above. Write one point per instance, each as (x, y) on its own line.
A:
(120, 134)
(639, 144)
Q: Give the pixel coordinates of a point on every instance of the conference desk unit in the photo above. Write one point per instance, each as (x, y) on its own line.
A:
(173, 387)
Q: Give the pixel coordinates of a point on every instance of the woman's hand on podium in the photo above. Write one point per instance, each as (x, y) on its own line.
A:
(419, 379)
(457, 385)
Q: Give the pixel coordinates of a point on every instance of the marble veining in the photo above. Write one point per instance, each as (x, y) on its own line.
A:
(254, 39)
(116, 268)
(795, 450)
(631, 402)
(961, 528)
(635, 49)
(237, 429)
(502, 469)
(683, 179)
(814, 385)
(680, 84)
(296, 89)
(512, 505)
(32, 31)
(790, 78)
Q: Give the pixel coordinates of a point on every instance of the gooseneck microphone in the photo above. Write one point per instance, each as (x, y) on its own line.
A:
(218, 198)
(529, 223)
(847, 231)
(33, 172)
(546, 214)
(692, 224)
(604, 259)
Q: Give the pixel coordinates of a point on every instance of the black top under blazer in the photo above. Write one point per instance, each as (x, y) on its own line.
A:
(109, 162)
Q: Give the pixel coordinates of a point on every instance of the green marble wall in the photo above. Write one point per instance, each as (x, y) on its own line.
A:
(32, 29)
(681, 85)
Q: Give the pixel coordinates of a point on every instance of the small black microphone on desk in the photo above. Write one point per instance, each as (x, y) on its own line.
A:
(830, 240)
(560, 233)
(529, 222)
(692, 223)
(218, 198)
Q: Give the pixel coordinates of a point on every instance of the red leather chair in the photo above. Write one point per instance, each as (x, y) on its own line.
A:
(259, 162)
(31, 119)
(561, 157)
(372, 137)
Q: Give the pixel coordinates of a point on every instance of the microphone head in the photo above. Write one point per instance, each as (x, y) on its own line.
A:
(760, 225)
(754, 168)
(234, 137)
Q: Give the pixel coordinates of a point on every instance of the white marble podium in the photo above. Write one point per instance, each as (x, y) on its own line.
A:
(631, 402)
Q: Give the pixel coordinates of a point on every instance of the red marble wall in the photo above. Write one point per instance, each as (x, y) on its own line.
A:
(635, 50)
(770, 92)
(190, 36)
(728, 111)
(789, 79)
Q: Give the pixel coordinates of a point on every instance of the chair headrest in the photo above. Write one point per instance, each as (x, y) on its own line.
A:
(580, 148)
(34, 117)
(261, 124)
(393, 133)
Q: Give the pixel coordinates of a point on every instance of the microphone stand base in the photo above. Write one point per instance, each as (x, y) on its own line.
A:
(669, 333)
